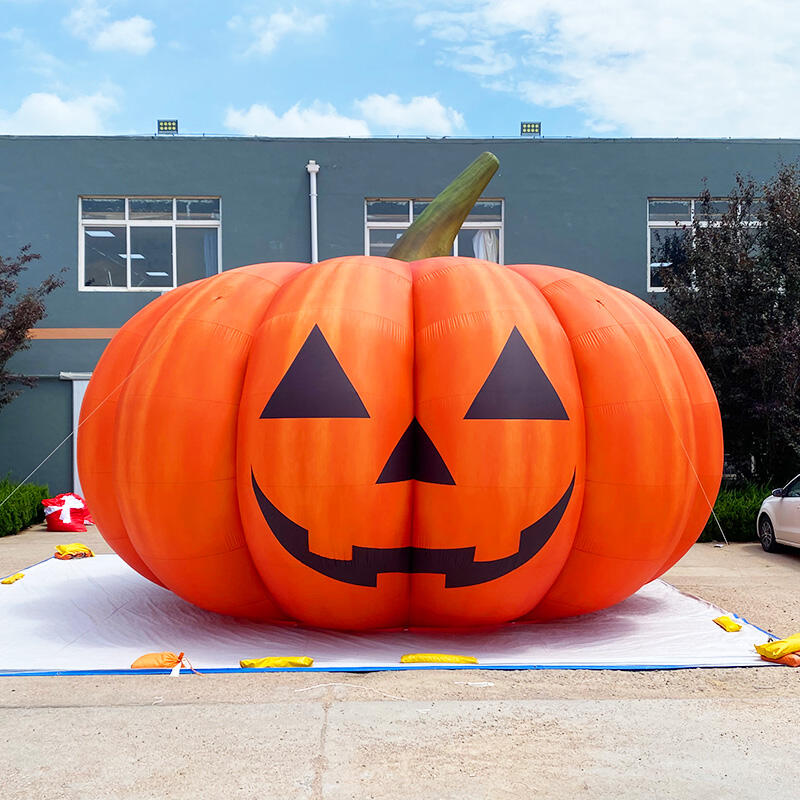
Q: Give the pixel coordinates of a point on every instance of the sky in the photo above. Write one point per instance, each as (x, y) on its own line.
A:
(468, 68)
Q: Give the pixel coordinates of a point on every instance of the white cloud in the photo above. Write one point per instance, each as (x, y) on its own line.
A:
(420, 115)
(46, 114)
(134, 35)
(92, 22)
(30, 55)
(386, 113)
(480, 59)
(319, 119)
(267, 32)
(13, 35)
(682, 69)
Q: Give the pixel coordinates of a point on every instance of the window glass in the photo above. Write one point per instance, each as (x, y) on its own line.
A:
(151, 256)
(149, 208)
(667, 245)
(196, 253)
(793, 489)
(381, 239)
(669, 210)
(103, 207)
(387, 210)
(712, 211)
(104, 256)
(483, 243)
(198, 208)
(486, 211)
(420, 206)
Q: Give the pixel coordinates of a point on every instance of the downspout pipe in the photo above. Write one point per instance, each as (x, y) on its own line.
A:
(313, 168)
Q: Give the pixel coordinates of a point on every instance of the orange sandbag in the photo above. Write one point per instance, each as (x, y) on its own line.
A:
(165, 660)
(790, 659)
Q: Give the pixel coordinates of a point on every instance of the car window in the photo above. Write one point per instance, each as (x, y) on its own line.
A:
(793, 489)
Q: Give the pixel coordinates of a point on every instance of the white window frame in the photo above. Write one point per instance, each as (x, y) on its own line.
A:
(397, 225)
(129, 223)
(695, 210)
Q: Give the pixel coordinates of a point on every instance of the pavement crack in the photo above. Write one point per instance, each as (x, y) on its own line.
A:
(321, 761)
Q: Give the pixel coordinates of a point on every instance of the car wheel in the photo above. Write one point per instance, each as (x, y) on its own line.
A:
(766, 534)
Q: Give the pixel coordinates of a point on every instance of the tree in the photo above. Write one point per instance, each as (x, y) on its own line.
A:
(19, 312)
(734, 291)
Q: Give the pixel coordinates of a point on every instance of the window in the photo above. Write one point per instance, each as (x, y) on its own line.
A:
(669, 230)
(147, 243)
(481, 235)
(793, 489)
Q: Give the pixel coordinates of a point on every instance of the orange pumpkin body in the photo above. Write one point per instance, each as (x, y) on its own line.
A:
(368, 443)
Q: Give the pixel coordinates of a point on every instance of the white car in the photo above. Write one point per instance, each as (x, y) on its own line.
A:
(778, 520)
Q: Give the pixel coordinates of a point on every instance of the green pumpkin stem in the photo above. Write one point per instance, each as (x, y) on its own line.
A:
(434, 231)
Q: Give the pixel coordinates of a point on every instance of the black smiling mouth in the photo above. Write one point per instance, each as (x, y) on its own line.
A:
(457, 564)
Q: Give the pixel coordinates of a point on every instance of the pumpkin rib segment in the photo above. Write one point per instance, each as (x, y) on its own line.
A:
(412, 516)
(203, 512)
(508, 472)
(109, 379)
(695, 515)
(353, 303)
(680, 526)
(703, 498)
(576, 295)
(647, 325)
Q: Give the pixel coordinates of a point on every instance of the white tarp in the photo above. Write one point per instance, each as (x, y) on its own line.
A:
(97, 614)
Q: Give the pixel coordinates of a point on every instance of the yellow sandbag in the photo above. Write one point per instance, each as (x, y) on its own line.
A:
(13, 578)
(436, 658)
(74, 550)
(165, 660)
(783, 647)
(728, 624)
(276, 661)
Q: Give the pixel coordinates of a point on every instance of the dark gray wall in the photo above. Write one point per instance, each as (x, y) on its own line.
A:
(577, 203)
(30, 427)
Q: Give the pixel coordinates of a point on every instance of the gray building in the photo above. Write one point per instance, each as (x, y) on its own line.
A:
(131, 217)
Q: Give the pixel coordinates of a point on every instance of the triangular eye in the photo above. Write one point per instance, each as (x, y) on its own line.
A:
(517, 387)
(315, 385)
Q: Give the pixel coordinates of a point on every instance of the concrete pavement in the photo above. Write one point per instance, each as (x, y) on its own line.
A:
(485, 734)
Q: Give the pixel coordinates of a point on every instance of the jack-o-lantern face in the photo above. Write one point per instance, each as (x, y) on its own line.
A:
(403, 491)
(316, 386)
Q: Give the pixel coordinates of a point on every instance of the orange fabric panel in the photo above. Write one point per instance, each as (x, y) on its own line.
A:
(708, 453)
(321, 472)
(508, 472)
(174, 465)
(640, 444)
(97, 421)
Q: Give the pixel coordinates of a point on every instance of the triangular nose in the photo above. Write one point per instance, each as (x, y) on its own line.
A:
(415, 457)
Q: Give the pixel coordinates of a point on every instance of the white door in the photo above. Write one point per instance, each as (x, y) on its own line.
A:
(78, 390)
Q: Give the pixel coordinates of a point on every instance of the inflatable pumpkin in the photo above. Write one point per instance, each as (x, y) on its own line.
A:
(415, 440)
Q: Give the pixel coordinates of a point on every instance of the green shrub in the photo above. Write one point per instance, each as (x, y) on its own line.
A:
(23, 508)
(736, 508)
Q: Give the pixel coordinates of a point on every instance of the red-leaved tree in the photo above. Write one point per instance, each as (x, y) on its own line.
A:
(19, 312)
